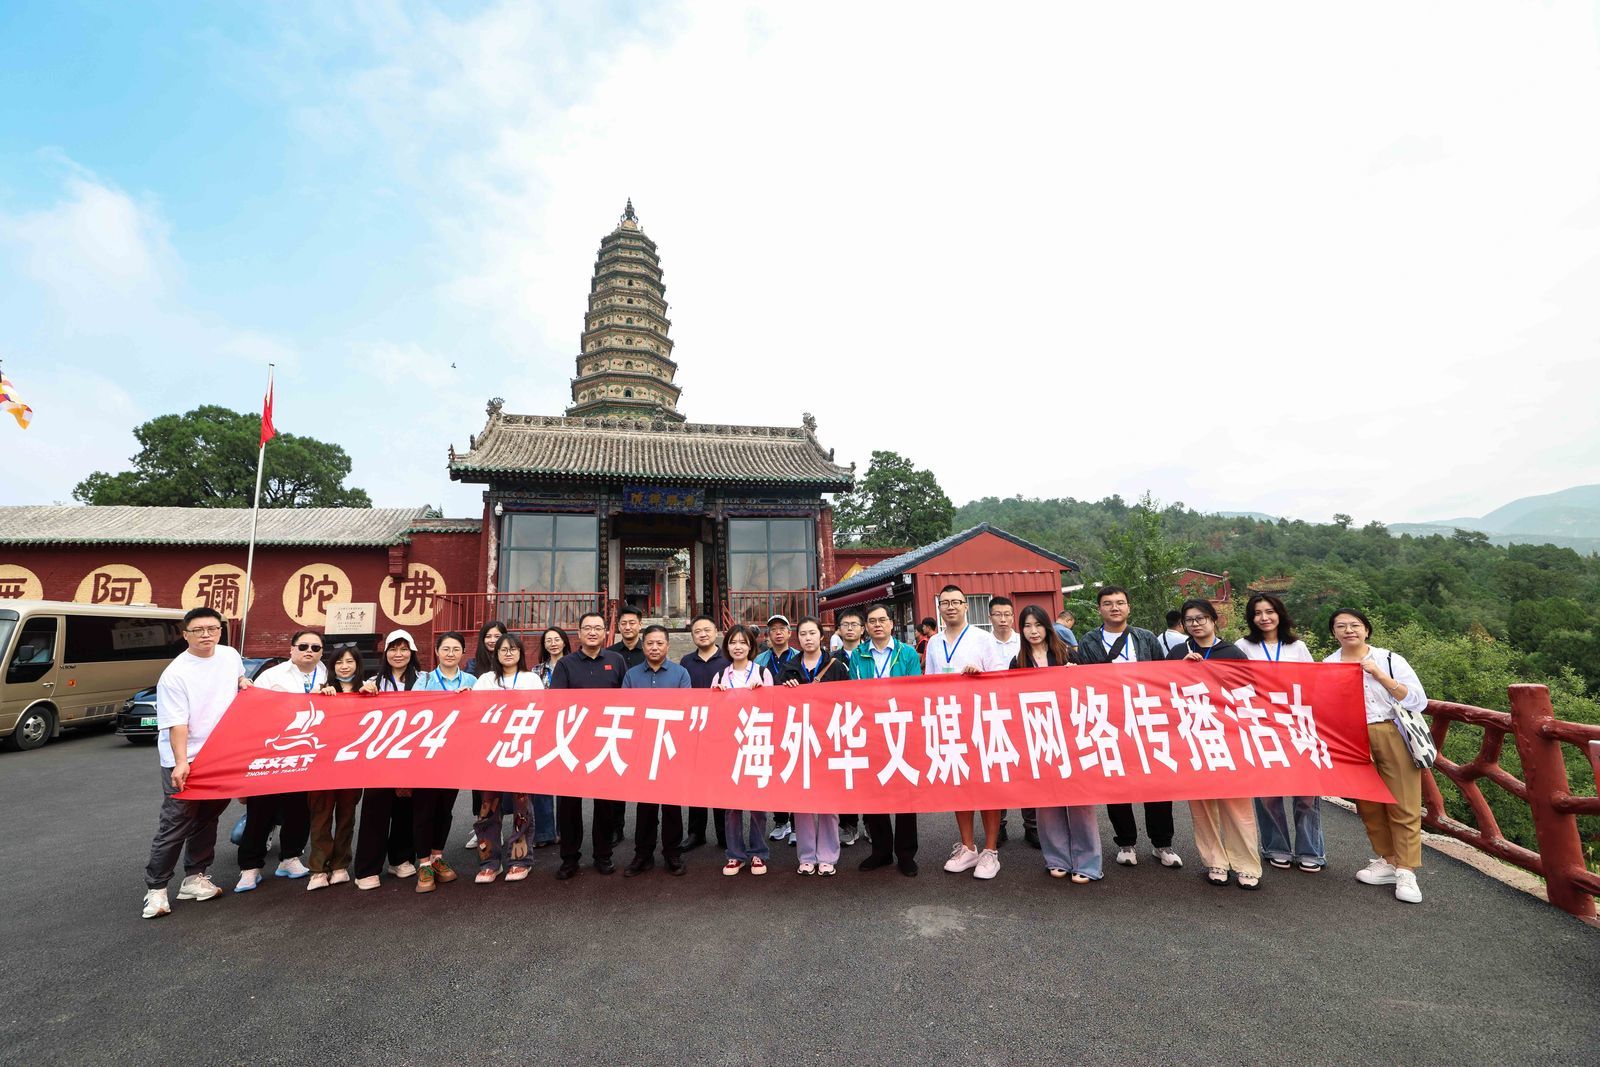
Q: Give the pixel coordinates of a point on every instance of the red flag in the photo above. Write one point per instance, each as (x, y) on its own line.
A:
(267, 432)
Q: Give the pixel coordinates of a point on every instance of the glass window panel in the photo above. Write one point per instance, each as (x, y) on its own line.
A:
(790, 534)
(529, 531)
(526, 571)
(787, 570)
(747, 535)
(577, 531)
(576, 572)
(748, 570)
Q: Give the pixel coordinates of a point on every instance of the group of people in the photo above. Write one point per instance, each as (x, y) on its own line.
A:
(360, 834)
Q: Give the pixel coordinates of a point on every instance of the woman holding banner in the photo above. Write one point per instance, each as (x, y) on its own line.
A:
(1224, 830)
(388, 815)
(1395, 830)
(1271, 639)
(333, 811)
(512, 674)
(1069, 836)
(747, 830)
(817, 836)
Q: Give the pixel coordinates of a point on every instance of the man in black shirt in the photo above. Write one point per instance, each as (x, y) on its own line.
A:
(704, 664)
(630, 646)
(591, 667)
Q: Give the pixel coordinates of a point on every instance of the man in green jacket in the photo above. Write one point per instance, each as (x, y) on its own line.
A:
(885, 657)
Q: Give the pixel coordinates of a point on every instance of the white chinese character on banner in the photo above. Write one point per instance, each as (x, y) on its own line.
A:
(941, 739)
(754, 735)
(1302, 726)
(801, 743)
(611, 733)
(1044, 734)
(1258, 735)
(1147, 725)
(515, 746)
(1092, 717)
(661, 717)
(849, 737)
(991, 738)
(894, 723)
(1198, 724)
(568, 722)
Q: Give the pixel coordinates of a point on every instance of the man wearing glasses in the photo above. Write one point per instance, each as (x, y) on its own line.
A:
(302, 672)
(591, 667)
(194, 691)
(884, 657)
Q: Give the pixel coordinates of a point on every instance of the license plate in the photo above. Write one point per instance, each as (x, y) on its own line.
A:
(148, 720)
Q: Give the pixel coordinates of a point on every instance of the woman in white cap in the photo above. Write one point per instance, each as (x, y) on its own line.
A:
(385, 828)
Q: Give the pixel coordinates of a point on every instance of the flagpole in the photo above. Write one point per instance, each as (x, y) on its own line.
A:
(255, 514)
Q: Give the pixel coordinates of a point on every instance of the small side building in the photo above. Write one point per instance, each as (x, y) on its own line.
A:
(984, 561)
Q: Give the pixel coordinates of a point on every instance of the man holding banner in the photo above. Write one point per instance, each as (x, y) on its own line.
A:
(1118, 643)
(656, 672)
(885, 657)
(591, 667)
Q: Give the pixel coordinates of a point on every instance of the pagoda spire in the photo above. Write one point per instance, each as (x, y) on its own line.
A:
(625, 366)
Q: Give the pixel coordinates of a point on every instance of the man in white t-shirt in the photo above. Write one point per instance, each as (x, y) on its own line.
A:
(303, 673)
(194, 691)
(1173, 636)
(964, 649)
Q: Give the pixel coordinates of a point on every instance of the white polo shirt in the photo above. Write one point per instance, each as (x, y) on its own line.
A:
(972, 647)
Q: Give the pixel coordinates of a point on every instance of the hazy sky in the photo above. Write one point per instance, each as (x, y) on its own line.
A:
(1277, 257)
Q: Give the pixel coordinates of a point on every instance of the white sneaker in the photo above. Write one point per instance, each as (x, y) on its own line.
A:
(1378, 872)
(781, 831)
(1405, 887)
(292, 868)
(248, 880)
(371, 881)
(848, 838)
(339, 877)
(155, 903)
(317, 881)
(471, 843)
(988, 864)
(1168, 857)
(198, 887)
(792, 839)
(1128, 857)
(961, 859)
(405, 870)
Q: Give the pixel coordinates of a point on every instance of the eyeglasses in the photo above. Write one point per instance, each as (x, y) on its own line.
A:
(1193, 619)
(308, 648)
(952, 603)
(203, 631)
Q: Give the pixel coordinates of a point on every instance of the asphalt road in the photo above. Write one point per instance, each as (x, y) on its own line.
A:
(1149, 965)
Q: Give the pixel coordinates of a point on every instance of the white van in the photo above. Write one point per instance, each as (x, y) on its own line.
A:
(74, 664)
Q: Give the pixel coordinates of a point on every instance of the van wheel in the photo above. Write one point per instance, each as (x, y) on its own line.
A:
(33, 729)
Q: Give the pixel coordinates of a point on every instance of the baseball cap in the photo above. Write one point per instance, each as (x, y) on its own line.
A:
(778, 618)
(400, 635)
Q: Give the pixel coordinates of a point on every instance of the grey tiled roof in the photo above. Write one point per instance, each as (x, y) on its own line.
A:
(617, 449)
(207, 526)
(898, 565)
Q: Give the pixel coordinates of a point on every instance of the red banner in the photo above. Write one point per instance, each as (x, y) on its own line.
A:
(1078, 735)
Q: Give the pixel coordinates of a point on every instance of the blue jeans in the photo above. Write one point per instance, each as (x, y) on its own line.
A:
(1070, 839)
(747, 844)
(544, 817)
(1274, 829)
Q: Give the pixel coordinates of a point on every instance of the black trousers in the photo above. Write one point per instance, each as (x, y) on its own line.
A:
(383, 832)
(696, 824)
(645, 817)
(897, 839)
(1157, 823)
(849, 822)
(569, 825)
(431, 812)
(261, 813)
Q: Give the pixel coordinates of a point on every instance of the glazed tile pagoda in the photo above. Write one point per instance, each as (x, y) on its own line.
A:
(622, 501)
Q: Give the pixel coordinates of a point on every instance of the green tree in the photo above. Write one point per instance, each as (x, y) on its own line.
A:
(206, 458)
(1144, 560)
(895, 504)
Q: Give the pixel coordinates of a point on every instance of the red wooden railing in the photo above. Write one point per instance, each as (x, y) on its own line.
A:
(754, 609)
(1538, 736)
(523, 613)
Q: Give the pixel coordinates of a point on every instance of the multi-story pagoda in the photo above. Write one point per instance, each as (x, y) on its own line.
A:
(621, 501)
(625, 366)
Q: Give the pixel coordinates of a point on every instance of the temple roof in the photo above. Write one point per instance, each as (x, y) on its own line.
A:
(617, 448)
(58, 525)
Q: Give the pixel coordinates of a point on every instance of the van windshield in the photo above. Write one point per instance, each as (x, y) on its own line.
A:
(8, 622)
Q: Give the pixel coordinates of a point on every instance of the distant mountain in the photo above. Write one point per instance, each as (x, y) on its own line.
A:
(1259, 516)
(1569, 518)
